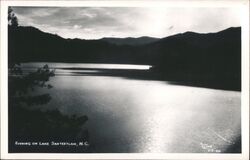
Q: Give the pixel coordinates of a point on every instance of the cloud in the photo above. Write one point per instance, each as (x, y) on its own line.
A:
(77, 26)
(98, 22)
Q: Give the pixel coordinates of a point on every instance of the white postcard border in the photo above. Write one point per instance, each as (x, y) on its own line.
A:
(244, 4)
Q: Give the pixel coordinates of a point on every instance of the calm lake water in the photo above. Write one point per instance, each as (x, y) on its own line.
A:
(139, 116)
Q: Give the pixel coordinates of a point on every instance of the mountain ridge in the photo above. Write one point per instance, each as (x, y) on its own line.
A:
(130, 40)
(188, 55)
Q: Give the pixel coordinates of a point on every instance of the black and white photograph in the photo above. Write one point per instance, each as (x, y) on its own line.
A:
(98, 79)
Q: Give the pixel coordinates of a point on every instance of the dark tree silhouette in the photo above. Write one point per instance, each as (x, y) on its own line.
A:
(12, 19)
(27, 122)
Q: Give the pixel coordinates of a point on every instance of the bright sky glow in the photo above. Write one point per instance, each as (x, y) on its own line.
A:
(99, 22)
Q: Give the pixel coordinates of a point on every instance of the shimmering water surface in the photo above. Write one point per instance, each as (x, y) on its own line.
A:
(133, 116)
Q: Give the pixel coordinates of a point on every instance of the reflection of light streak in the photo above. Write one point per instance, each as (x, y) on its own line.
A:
(87, 65)
(161, 119)
(155, 141)
(118, 66)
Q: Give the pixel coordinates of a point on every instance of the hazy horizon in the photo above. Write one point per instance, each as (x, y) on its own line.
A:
(127, 36)
(124, 22)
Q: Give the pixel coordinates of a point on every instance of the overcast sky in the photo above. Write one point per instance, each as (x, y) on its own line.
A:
(98, 22)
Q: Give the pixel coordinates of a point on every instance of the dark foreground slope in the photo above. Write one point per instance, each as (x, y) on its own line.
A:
(201, 59)
(212, 60)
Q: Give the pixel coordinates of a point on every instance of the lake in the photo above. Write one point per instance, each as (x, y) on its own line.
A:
(130, 115)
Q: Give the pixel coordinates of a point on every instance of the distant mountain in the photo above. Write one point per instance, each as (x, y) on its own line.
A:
(130, 41)
(182, 49)
(209, 58)
(213, 58)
